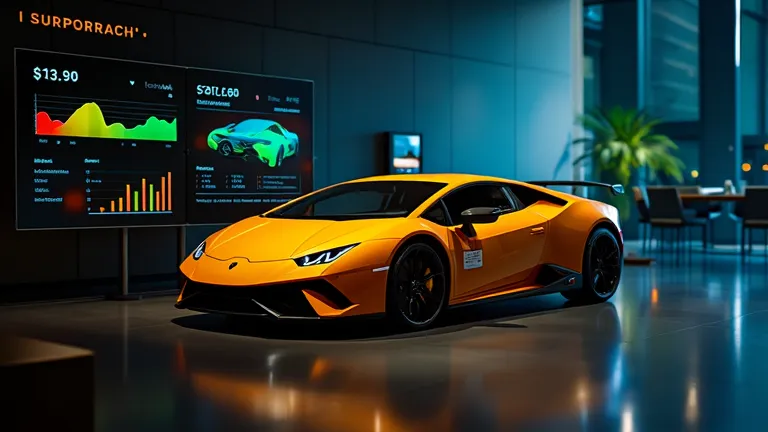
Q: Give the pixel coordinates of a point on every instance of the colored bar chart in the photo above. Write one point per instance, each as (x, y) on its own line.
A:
(151, 194)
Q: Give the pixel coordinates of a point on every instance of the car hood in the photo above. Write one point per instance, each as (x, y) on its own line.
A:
(259, 239)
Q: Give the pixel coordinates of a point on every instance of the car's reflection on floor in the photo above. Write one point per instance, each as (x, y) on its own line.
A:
(472, 381)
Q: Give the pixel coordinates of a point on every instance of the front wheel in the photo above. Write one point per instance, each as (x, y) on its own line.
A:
(226, 149)
(417, 289)
(603, 263)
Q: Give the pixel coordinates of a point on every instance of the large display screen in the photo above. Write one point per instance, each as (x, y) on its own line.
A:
(99, 142)
(404, 153)
(251, 144)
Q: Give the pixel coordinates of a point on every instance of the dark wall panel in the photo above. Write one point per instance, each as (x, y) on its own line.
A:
(233, 46)
(38, 256)
(544, 120)
(424, 25)
(152, 3)
(484, 30)
(153, 250)
(99, 253)
(483, 118)
(304, 56)
(371, 90)
(25, 36)
(157, 46)
(350, 19)
(433, 110)
(251, 11)
(548, 18)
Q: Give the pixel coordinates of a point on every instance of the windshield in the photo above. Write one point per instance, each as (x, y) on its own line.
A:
(362, 200)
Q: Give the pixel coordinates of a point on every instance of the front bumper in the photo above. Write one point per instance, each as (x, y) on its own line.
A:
(310, 299)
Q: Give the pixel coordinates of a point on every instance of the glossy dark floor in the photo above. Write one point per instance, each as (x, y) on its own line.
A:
(679, 348)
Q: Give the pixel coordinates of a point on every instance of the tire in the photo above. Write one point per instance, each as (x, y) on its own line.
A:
(602, 267)
(280, 156)
(226, 149)
(417, 287)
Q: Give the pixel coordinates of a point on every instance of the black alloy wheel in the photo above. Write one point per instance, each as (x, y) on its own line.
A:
(603, 264)
(417, 290)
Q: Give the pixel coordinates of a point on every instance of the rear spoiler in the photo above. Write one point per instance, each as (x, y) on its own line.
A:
(616, 189)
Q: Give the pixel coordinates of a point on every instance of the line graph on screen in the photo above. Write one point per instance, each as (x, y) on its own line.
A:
(104, 118)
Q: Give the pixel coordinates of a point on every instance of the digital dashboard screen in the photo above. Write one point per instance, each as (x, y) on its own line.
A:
(99, 142)
(405, 153)
(250, 144)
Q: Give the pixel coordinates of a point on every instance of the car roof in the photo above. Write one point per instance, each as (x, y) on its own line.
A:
(452, 179)
(262, 123)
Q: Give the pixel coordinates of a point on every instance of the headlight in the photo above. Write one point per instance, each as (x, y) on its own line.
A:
(199, 251)
(324, 257)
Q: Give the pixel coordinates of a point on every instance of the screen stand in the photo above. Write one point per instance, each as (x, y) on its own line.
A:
(182, 243)
(124, 285)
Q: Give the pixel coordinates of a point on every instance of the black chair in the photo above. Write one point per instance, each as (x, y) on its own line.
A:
(644, 217)
(704, 210)
(753, 214)
(667, 212)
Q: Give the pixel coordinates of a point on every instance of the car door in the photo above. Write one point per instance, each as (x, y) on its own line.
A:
(501, 253)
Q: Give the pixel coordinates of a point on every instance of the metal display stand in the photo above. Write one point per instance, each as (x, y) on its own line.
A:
(124, 270)
(181, 240)
(125, 294)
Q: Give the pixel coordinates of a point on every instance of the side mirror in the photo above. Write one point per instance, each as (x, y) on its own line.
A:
(478, 215)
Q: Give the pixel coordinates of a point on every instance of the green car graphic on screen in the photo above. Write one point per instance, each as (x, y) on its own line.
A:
(267, 140)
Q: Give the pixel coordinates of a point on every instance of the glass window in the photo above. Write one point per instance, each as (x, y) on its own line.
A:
(275, 129)
(673, 87)
(476, 196)
(436, 214)
(751, 110)
(593, 16)
(360, 200)
(591, 78)
(765, 78)
(753, 5)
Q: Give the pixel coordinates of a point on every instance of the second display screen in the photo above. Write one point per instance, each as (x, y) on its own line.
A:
(250, 144)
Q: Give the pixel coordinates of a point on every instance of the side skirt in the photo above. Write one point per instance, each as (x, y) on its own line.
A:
(552, 279)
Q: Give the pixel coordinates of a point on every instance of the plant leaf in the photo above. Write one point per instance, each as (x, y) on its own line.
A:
(623, 141)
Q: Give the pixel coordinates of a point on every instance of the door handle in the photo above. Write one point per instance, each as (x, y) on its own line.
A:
(537, 230)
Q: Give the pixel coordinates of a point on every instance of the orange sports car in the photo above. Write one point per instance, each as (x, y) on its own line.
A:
(408, 246)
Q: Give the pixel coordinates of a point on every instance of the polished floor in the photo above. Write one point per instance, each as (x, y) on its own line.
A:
(680, 347)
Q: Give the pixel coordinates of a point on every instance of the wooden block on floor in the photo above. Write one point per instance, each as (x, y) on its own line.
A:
(45, 386)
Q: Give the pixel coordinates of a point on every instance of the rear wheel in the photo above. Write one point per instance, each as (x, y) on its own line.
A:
(417, 289)
(602, 268)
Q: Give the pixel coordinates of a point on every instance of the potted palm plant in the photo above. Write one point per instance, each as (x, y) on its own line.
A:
(621, 142)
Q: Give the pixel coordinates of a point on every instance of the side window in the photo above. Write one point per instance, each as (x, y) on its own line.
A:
(516, 203)
(487, 195)
(275, 129)
(436, 214)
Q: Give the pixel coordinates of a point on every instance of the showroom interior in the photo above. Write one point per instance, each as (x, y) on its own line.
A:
(137, 146)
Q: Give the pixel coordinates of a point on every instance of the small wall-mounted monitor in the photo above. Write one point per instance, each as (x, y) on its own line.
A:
(405, 153)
